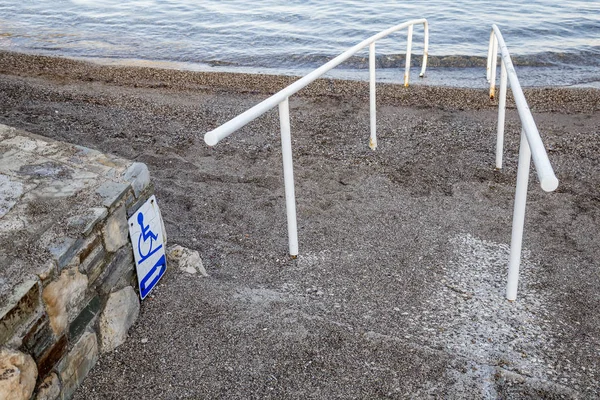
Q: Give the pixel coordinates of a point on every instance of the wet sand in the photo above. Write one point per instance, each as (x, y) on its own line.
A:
(399, 287)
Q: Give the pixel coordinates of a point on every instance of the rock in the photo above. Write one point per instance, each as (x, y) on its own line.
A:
(18, 374)
(115, 231)
(18, 308)
(63, 295)
(111, 192)
(188, 260)
(121, 311)
(49, 389)
(77, 364)
(118, 273)
(10, 192)
(139, 177)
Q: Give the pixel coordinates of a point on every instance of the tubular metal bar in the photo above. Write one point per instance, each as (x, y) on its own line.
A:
(531, 147)
(425, 49)
(288, 176)
(492, 63)
(213, 137)
(501, 116)
(489, 57)
(545, 173)
(408, 50)
(372, 100)
(516, 240)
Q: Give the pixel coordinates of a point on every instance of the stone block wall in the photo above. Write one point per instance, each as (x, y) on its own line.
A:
(67, 277)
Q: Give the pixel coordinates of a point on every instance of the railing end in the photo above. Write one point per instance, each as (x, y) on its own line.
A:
(549, 184)
(210, 138)
(373, 143)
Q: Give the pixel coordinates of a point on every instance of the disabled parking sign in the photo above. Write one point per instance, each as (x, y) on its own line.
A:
(147, 239)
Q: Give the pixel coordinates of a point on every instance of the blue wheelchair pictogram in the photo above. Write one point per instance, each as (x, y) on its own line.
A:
(147, 246)
(146, 240)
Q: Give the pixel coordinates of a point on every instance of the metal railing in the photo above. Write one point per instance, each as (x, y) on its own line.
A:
(281, 99)
(531, 145)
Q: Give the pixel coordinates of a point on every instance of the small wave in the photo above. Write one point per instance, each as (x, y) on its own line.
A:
(300, 61)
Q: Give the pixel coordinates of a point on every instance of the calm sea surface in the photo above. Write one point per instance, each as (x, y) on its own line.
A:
(552, 42)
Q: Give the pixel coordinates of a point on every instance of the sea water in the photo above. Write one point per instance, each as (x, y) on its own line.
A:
(553, 43)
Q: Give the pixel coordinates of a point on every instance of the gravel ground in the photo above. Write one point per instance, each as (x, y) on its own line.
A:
(398, 289)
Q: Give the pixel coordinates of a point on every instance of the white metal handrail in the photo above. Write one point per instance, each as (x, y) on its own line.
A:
(281, 99)
(531, 145)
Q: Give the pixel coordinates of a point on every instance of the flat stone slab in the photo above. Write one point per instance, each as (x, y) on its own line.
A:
(52, 195)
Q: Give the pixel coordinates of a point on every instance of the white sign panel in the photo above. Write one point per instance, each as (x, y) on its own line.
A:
(147, 239)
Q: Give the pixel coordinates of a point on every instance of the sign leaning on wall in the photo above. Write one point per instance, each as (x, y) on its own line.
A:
(147, 238)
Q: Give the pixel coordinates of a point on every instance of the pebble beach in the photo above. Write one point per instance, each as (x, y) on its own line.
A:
(398, 290)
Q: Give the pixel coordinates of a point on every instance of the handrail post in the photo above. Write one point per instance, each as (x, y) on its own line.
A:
(373, 105)
(408, 50)
(288, 176)
(425, 48)
(501, 115)
(493, 65)
(516, 241)
(488, 70)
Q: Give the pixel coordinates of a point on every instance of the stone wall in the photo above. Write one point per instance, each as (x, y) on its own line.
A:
(67, 277)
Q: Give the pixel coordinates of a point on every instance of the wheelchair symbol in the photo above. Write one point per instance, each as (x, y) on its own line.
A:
(146, 240)
(146, 248)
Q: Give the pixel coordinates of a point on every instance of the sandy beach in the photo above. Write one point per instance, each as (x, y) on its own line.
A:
(398, 291)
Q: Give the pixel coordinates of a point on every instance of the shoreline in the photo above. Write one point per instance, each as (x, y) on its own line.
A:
(65, 70)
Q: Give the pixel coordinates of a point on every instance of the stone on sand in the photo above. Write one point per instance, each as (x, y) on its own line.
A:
(188, 260)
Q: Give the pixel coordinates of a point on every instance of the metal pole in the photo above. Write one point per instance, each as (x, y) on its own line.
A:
(493, 65)
(408, 50)
(288, 176)
(425, 48)
(373, 138)
(516, 241)
(545, 173)
(501, 115)
(489, 57)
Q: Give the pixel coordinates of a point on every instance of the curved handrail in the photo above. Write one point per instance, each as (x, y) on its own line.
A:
(531, 146)
(545, 173)
(281, 99)
(213, 137)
